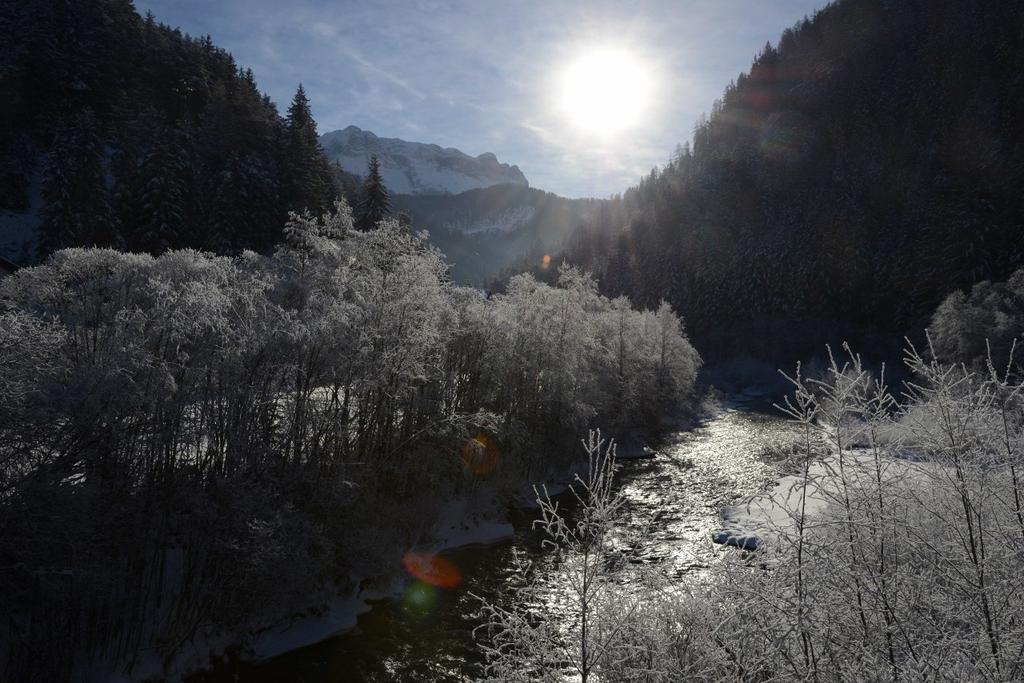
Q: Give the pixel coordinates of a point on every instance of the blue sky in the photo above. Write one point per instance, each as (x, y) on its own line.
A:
(482, 76)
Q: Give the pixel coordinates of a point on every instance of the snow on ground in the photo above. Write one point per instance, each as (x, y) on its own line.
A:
(461, 523)
(457, 526)
(479, 534)
(753, 522)
(760, 519)
(471, 521)
(339, 617)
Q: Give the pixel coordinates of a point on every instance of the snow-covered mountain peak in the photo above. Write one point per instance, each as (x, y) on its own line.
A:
(415, 167)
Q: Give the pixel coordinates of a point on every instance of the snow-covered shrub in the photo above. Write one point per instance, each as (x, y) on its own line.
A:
(530, 641)
(895, 554)
(570, 346)
(192, 444)
(885, 567)
(614, 621)
(966, 327)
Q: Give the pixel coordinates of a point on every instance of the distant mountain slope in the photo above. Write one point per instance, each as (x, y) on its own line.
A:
(864, 168)
(486, 230)
(414, 167)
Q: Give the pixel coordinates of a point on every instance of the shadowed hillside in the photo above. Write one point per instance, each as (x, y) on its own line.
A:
(484, 231)
(864, 168)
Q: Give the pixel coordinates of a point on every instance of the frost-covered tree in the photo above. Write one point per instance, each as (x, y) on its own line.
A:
(615, 621)
(895, 553)
(985, 322)
(205, 441)
(523, 643)
(892, 554)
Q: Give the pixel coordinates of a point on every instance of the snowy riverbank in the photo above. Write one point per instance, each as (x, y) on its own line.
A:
(763, 519)
(472, 521)
(475, 520)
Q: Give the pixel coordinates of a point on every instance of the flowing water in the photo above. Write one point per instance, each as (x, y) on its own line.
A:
(426, 635)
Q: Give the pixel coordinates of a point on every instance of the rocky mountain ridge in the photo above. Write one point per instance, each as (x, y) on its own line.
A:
(415, 167)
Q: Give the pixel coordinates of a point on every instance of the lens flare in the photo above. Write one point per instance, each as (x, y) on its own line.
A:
(432, 569)
(419, 599)
(479, 455)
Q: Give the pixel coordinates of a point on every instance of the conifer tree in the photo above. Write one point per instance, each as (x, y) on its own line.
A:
(225, 208)
(163, 195)
(376, 201)
(77, 210)
(243, 199)
(310, 180)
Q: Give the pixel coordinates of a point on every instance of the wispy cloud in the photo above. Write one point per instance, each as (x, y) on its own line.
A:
(477, 75)
(374, 72)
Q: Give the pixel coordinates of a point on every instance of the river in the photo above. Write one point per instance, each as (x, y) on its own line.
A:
(675, 497)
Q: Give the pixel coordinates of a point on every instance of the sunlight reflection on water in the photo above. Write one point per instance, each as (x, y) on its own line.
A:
(672, 501)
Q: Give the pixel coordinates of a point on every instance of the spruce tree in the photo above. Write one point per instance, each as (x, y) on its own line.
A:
(376, 201)
(310, 181)
(164, 194)
(225, 206)
(243, 201)
(77, 210)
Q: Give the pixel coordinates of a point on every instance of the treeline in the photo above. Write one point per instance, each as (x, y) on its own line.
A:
(865, 167)
(194, 444)
(139, 137)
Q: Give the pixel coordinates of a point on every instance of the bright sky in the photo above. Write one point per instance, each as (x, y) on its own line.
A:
(585, 96)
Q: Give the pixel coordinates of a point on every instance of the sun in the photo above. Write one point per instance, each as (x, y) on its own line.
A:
(605, 90)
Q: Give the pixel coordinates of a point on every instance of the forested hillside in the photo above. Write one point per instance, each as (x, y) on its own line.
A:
(866, 166)
(119, 131)
(485, 231)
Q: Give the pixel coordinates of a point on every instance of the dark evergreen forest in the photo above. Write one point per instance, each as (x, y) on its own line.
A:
(144, 138)
(864, 168)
